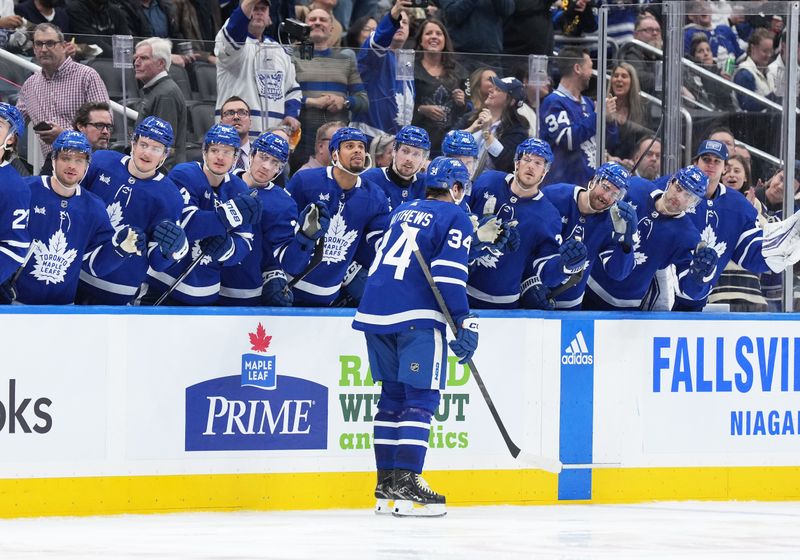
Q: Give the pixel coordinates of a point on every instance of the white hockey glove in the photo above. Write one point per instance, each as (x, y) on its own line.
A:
(781, 245)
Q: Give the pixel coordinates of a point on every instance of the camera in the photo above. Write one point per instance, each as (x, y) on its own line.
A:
(298, 32)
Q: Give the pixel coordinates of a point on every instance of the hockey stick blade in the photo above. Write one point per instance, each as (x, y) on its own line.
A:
(540, 462)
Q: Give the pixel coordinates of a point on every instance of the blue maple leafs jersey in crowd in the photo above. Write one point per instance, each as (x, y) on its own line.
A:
(274, 247)
(569, 126)
(15, 204)
(359, 217)
(200, 220)
(662, 241)
(728, 223)
(397, 295)
(596, 232)
(129, 201)
(495, 282)
(65, 233)
(396, 194)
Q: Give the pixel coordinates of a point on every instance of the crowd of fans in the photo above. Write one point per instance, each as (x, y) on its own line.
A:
(360, 75)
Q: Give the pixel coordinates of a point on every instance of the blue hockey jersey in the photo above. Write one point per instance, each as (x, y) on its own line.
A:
(495, 281)
(200, 220)
(396, 194)
(129, 201)
(728, 223)
(661, 241)
(397, 295)
(15, 204)
(359, 216)
(274, 247)
(65, 233)
(596, 232)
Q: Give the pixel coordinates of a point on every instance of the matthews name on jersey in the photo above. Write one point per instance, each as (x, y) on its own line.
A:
(359, 217)
(595, 230)
(442, 232)
(65, 233)
(200, 220)
(396, 194)
(663, 240)
(495, 281)
(129, 201)
(15, 204)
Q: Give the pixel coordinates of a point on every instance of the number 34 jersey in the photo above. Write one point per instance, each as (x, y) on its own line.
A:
(397, 295)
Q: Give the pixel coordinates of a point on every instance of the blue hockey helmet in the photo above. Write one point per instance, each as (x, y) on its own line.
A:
(536, 147)
(272, 144)
(72, 140)
(614, 173)
(459, 143)
(347, 134)
(14, 117)
(222, 134)
(413, 136)
(693, 180)
(155, 129)
(444, 173)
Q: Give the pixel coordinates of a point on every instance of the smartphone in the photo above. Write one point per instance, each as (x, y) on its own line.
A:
(419, 3)
(42, 126)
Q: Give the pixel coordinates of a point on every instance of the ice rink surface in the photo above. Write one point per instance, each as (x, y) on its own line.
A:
(730, 530)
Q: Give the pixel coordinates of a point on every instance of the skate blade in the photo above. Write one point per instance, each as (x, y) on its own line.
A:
(407, 508)
(383, 506)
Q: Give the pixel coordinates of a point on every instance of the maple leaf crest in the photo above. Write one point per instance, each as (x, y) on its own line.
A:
(196, 253)
(487, 260)
(259, 340)
(638, 258)
(338, 239)
(52, 262)
(710, 238)
(115, 214)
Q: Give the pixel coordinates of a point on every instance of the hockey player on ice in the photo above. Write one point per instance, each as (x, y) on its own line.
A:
(359, 215)
(218, 214)
(403, 179)
(405, 332)
(69, 227)
(608, 235)
(136, 194)
(502, 278)
(665, 236)
(281, 241)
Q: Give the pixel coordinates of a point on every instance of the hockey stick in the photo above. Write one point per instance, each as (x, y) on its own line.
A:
(180, 278)
(316, 258)
(536, 461)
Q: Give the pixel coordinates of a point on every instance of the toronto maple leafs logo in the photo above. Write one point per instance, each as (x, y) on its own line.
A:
(51, 262)
(38, 210)
(115, 214)
(638, 257)
(488, 260)
(196, 253)
(710, 238)
(338, 239)
(105, 179)
(270, 84)
(590, 151)
(258, 370)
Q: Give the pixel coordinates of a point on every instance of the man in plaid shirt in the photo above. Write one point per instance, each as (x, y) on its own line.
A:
(53, 95)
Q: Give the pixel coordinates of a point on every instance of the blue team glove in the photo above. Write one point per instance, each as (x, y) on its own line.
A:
(8, 293)
(466, 341)
(355, 281)
(129, 241)
(534, 296)
(241, 210)
(312, 224)
(625, 222)
(573, 256)
(171, 240)
(703, 264)
(219, 247)
(514, 239)
(275, 292)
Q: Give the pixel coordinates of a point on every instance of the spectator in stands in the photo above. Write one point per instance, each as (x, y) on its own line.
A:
(9, 21)
(152, 18)
(95, 121)
(706, 91)
(477, 87)
(776, 71)
(476, 26)
(44, 11)
(360, 31)
(198, 22)
(322, 156)
(575, 19)
(270, 89)
(751, 73)
(722, 39)
(331, 85)
(95, 21)
(647, 30)
(499, 128)
(53, 95)
(236, 113)
(630, 115)
(440, 101)
(529, 30)
(381, 149)
(725, 135)
(650, 156)
(160, 95)
(347, 11)
(337, 32)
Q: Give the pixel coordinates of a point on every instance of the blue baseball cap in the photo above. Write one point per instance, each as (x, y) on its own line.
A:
(713, 147)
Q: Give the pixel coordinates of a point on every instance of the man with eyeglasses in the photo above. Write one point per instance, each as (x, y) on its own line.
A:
(235, 112)
(135, 193)
(647, 30)
(93, 120)
(51, 98)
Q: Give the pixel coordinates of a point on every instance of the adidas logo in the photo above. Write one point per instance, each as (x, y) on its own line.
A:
(577, 353)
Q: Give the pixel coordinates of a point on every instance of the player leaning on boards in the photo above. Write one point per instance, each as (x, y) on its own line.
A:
(405, 332)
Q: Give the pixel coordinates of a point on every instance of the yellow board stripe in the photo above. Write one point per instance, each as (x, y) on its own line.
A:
(32, 497)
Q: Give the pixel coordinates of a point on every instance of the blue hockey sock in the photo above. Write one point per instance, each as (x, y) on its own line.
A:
(384, 438)
(413, 432)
